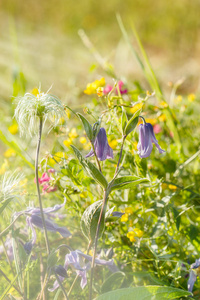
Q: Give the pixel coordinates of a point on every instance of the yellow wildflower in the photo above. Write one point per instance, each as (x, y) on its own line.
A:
(13, 129)
(131, 236)
(153, 121)
(136, 232)
(163, 104)
(191, 97)
(136, 107)
(172, 187)
(124, 218)
(58, 157)
(35, 92)
(67, 142)
(162, 118)
(83, 194)
(93, 86)
(100, 91)
(73, 134)
(128, 210)
(83, 140)
(113, 144)
(9, 152)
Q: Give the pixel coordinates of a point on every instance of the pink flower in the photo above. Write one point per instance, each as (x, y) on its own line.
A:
(48, 188)
(157, 128)
(44, 178)
(51, 170)
(109, 88)
(120, 84)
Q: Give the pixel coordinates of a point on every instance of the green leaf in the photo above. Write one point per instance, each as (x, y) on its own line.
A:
(4, 204)
(9, 287)
(90, 169)
(52, 259)
(127, 182)
(124, 120)
(145, 293)
(87, 127)
(90, 219)
(132, 123)
(113, 282)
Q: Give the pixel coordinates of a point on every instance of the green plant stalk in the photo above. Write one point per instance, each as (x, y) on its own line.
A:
(61, 286)
(103, 209)
(120, 156)
(37, 184)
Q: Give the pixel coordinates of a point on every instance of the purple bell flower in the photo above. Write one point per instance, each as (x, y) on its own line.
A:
(146, 138)
(102, 149)
(194, 272)
(77, 260)
(34, 219)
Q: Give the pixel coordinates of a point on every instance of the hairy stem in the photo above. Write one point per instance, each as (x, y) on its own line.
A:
(11, 224)
(38, 187)
(103, 209)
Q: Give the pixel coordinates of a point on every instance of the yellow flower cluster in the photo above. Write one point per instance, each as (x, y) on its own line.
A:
(93, 86)
(9, 153)
(191, 97)
(83, 141)
(72, 135)
(13, 129)
(58, 157)
(136, 107)
(136, 232)
(128, 211)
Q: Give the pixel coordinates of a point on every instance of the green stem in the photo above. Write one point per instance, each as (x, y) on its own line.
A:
(38, 187)
(103, 209)
(120, 156)
(61, 286)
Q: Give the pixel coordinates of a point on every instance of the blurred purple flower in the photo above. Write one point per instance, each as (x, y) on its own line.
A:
(194, 272)
(102, 149)
(75, 259)
(9, 248)
(34, 219)
(146, 138)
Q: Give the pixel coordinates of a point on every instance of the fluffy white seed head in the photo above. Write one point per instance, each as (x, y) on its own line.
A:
(31, 107)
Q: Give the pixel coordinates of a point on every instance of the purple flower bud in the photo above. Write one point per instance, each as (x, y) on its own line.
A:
(28, 247)
(146, 138)
(60, 270)
(102, 149)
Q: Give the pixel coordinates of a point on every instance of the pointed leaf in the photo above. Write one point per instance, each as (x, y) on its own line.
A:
(87, 127)
(113, 282)
(145, 293)
(90, 169)
(90, 219)
(132, 123)
(127, 182)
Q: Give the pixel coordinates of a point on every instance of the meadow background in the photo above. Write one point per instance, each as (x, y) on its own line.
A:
(40, 43)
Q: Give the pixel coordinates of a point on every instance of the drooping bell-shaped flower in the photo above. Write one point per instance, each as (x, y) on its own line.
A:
(146, 138)
(102, 149)
(81, 263)
(194, 272)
